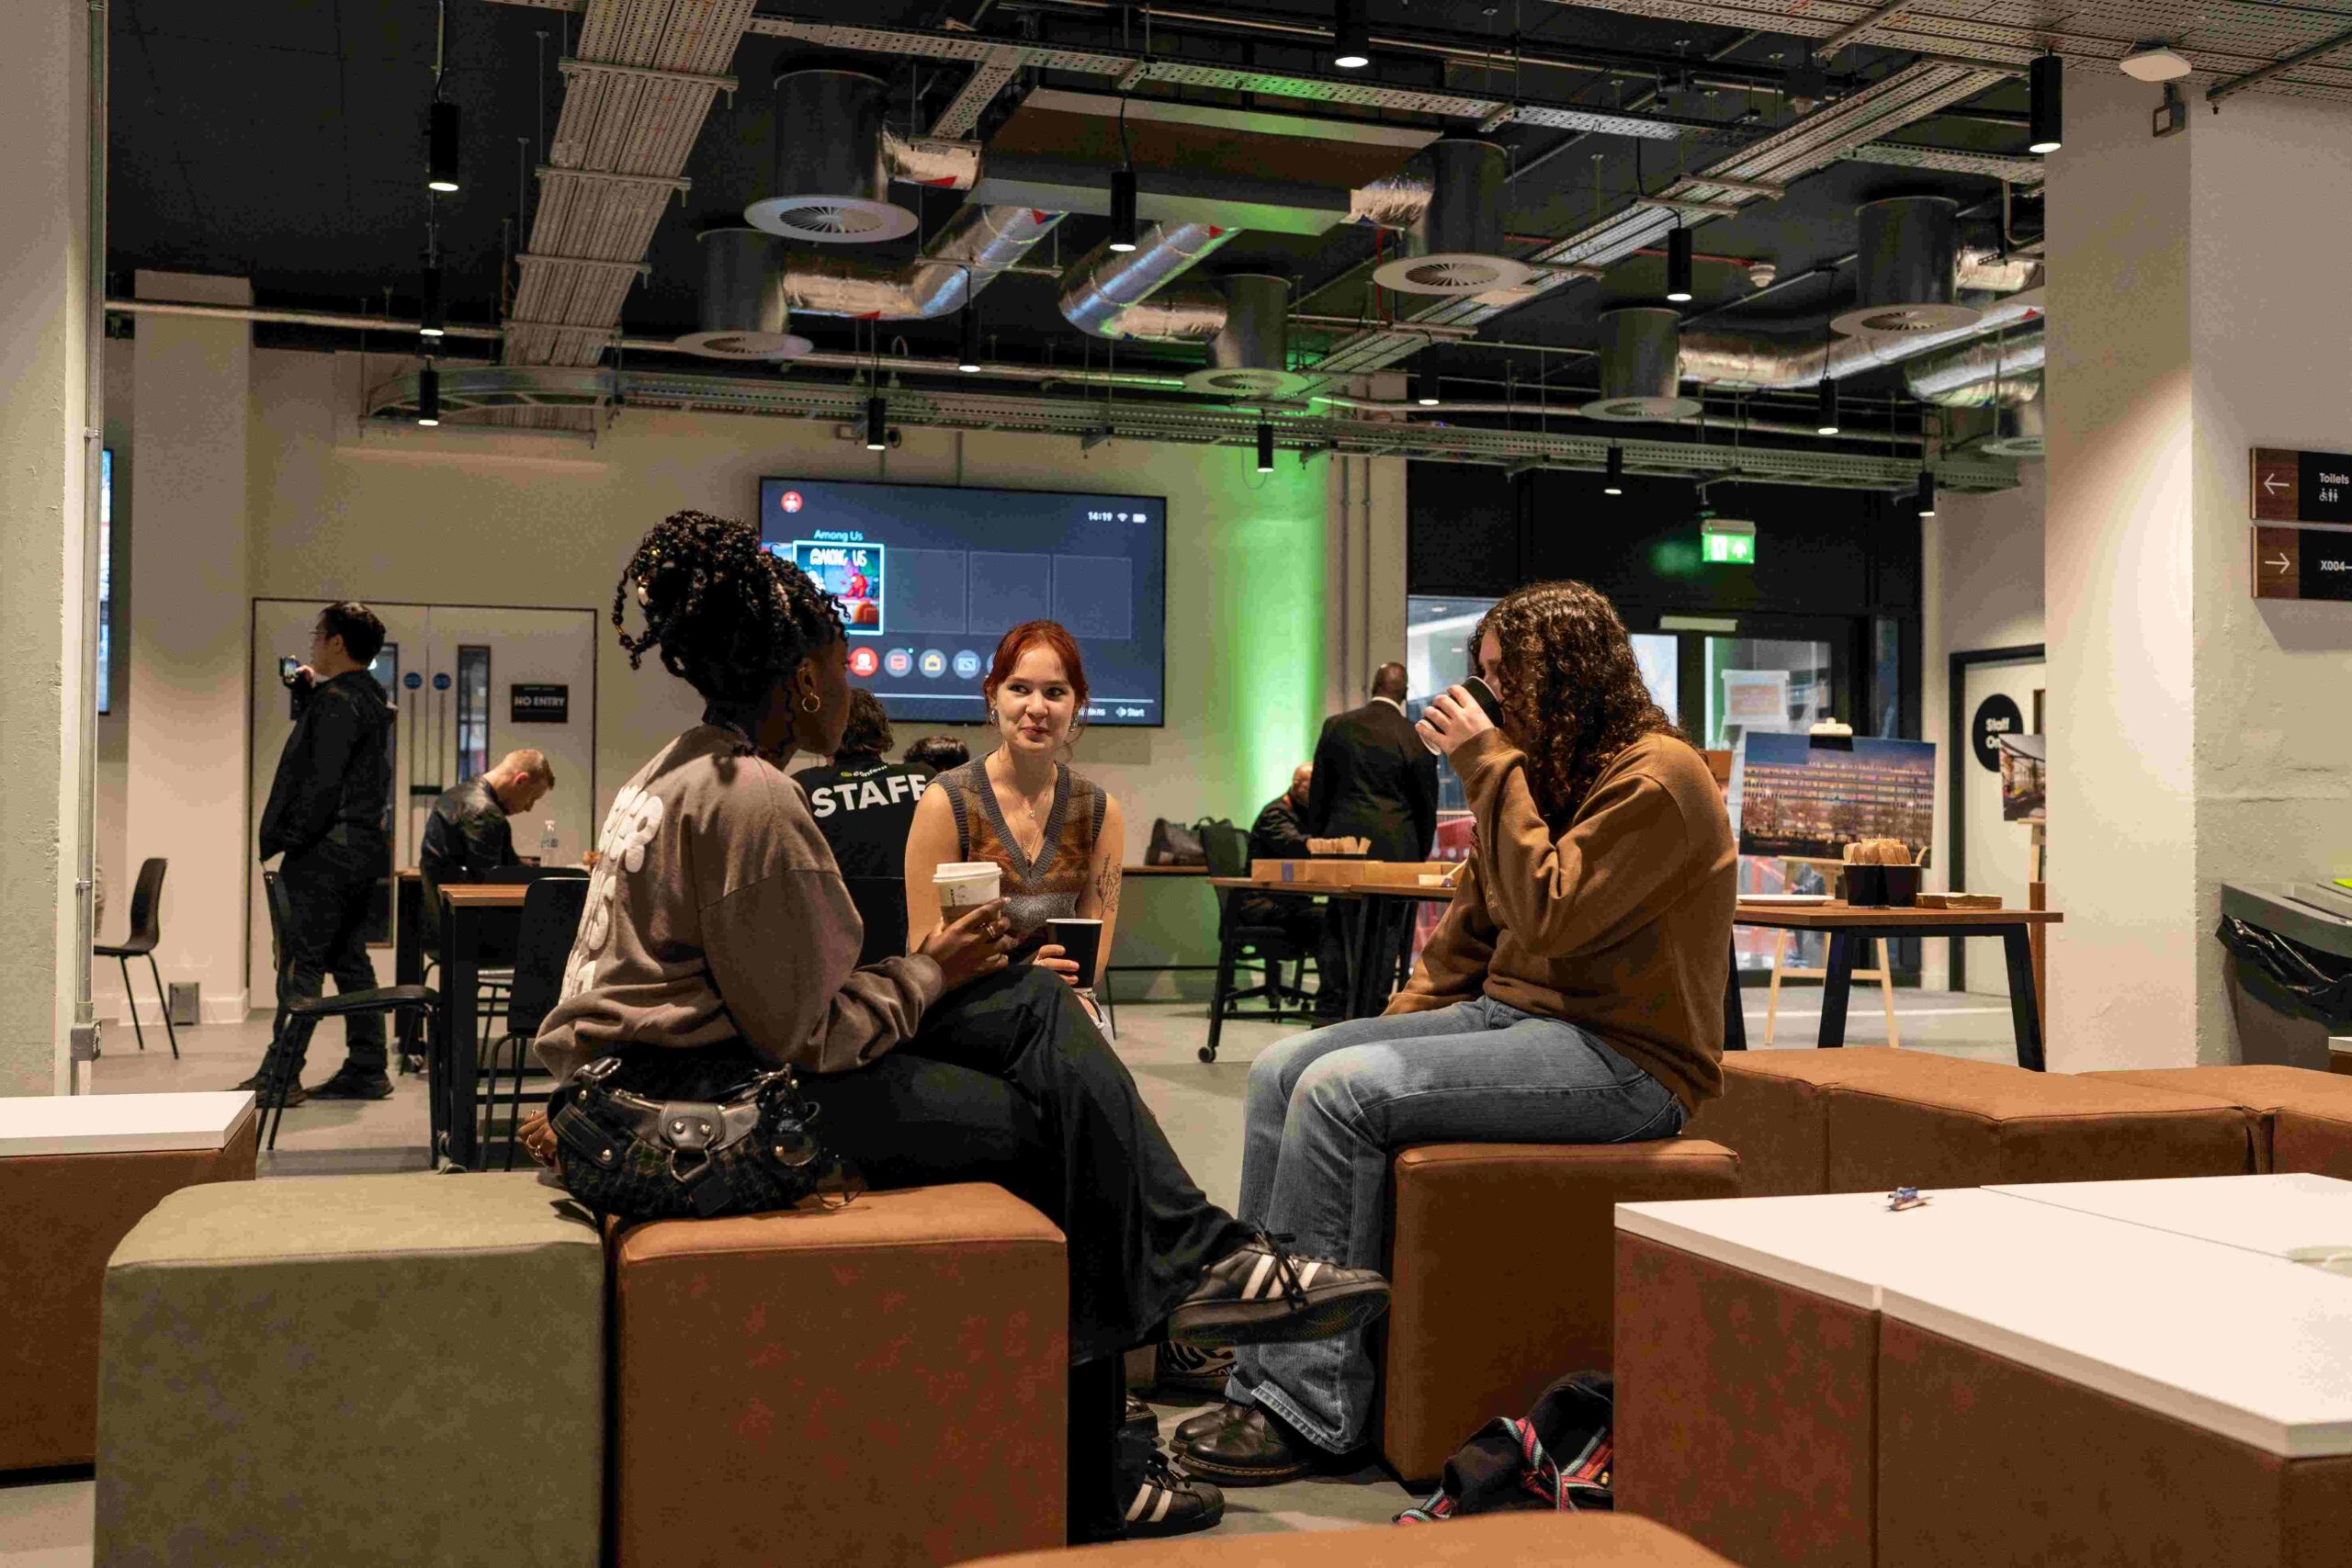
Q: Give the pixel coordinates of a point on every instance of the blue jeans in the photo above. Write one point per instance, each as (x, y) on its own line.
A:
(1324, 1112)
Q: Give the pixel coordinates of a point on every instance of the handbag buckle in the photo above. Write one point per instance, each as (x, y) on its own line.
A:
(691, 1125)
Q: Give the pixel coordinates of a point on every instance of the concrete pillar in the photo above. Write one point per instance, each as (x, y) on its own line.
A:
(44, 77)
(190, 734)
(2195, 736)
(1364, 556)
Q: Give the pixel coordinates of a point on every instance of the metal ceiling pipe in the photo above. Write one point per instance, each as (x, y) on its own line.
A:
(1109, 293)
(1908, 266)
(744, 314)
(1456, 246)
(1736, 359)
(1249, 355)
(1523, 410)
(932, 161)
(830, 183)
(1640, 366)
(1987, 270)
(972, 249)
(1981, 373)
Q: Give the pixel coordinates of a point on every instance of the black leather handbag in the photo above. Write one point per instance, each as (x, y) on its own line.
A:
(643, 1158)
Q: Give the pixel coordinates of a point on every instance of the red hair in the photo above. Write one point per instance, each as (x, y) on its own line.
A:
(1055, 639)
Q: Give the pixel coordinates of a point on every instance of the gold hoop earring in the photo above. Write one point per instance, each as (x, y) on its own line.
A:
(808, 703)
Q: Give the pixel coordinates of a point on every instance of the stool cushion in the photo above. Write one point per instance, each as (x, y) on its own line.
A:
(2315, 1107)
(1510, 1541)
(61, 1218)
(1775, 1107)
(1975, 1123)
(882, 1384)
(355, 1370)
(1501, 1275)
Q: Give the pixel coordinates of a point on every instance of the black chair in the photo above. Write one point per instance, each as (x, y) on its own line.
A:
(146, 932)
(1239, 943)
(551, 912)
(280, 1070)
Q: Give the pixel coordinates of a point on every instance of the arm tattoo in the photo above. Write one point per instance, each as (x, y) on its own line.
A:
(1106, 889)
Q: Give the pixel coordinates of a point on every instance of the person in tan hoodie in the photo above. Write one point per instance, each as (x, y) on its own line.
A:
(719, 940)
(1572, 995)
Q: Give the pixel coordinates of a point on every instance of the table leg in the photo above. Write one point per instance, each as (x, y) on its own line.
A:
(1836, 985)
(2025, 1015)
(460, 1063)
(1359, 982)
(1735, 1021)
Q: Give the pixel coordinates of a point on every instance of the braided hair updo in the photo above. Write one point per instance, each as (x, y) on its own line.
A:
(730, 617)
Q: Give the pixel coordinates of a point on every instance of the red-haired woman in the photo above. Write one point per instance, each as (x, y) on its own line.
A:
(1055, 836)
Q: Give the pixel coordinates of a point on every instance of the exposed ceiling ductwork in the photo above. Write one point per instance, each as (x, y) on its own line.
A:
(2018, 431)
(1249, 355)
(1987, 371)
(1739, 359)
(829, 182)
(1456, 245)
(1908, 267)
(1639, 365)
(744, 312)
(971, 250)
(1112, 293)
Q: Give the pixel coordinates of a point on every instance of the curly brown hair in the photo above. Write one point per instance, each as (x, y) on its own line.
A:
(1572, 691)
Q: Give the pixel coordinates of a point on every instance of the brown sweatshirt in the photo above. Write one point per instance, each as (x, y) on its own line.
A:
(1620, 924)
(715, 912)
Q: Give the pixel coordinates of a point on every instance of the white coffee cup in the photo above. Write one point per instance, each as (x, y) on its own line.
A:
(966, 884)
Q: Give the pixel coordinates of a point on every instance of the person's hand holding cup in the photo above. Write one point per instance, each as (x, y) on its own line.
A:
(1073, 951)
(971, 944)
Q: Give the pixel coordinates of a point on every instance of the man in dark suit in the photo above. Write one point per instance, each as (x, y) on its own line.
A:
(1374, 779)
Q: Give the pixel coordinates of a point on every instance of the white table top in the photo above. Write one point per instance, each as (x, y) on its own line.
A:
(2279, 1215)
(2223, 1336)
(120, 1123)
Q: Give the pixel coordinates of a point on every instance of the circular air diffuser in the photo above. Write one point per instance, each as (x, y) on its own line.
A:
(746, 345)
(1456, 245)
(831, 182)
(1252, 346)
(2017, 431)
(1244, 382)
(1641, 366)
(1909, 268)
(1896, 321)
(744, 312)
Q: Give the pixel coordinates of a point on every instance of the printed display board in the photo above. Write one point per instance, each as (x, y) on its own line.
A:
(1798, 796)
(2025, 778)
(929, 577)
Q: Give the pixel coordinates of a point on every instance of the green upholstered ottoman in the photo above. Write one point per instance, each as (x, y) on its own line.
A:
(354, 1370)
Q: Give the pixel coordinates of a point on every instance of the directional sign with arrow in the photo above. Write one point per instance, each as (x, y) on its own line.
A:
(2300, 486)
(2302, 563)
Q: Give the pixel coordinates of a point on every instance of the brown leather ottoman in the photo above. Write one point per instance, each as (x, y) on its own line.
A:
(1979, 1123)
(883, 1383)
(1775, 1106)
(1513, 1541)
(2303, 1118)
(63, 1212)
(1501, 1275)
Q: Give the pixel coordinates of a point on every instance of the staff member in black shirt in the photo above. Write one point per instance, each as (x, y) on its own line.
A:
(466, 837)
(327, 815)
(1280, 833)
(865, 807)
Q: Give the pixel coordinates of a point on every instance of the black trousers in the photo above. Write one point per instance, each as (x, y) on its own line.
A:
(1311, 928)
(329, 887)
(1009, 1081)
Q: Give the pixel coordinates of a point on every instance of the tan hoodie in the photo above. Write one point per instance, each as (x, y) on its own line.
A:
(715, 912)
(1619, 923)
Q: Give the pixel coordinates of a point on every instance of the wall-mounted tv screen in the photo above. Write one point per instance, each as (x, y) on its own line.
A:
(931, 576)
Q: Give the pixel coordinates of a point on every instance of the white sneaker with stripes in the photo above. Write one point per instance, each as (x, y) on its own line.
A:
(1259, 1294)
(1168, 1503)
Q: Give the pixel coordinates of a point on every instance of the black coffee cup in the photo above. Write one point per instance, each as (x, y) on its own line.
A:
(1080, 942)
(1901, 886)
(1866, 885)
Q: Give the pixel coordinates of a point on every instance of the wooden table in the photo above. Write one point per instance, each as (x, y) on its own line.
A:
(1845, 924)
(472, 913)
(1367, 995)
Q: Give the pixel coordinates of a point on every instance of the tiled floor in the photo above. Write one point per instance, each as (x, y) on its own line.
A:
(48, 1526)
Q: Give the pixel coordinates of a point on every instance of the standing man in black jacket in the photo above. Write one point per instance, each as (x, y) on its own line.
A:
(1374, 779)
(328, 816)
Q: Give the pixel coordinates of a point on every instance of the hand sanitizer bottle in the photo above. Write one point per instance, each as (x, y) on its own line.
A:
(551, 845)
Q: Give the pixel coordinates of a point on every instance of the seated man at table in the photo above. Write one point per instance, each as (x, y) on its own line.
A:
(1574, 994)
(467, 835)
(1280, 833)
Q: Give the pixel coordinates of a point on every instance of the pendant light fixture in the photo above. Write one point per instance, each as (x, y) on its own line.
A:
(1613, 483)
(1927, 493)
(1122, 190)
(434, 321)
(1265, 448)
(428, 397)
(967, 358)
(1678, 265)
(441, 118)
(1352, 43)
(1426, 390)
(877, 424)
(1825, 419)
(2047, 77)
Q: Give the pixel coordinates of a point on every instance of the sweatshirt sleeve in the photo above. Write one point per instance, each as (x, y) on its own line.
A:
(782, 937)
(1452, 967)
(1624, 857)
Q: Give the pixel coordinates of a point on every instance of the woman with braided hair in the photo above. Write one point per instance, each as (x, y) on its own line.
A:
(719, 940)
(1573, 993)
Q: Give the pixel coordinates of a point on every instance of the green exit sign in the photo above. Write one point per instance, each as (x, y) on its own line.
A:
(1727, 542)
